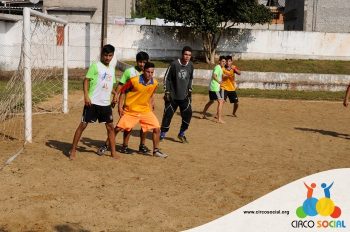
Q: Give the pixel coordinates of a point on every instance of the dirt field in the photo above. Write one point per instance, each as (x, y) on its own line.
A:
(225, 166)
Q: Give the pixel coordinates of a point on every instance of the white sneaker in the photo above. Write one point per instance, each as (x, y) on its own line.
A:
(160, 154)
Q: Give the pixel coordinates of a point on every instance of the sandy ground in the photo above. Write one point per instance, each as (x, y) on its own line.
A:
(225, 166)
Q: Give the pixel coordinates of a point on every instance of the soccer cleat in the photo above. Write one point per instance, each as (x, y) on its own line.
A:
(143, 149)
(125, 150)
(162, 136)
(182, 138)
(160, 154)
(102, 150)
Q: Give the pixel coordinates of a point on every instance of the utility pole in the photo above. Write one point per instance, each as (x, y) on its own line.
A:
(104, 23)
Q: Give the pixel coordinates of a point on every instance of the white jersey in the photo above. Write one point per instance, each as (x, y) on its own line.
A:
(102, 79)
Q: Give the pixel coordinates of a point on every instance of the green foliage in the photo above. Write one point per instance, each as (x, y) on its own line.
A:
(208, 16)
(211, 18)
(146, 8)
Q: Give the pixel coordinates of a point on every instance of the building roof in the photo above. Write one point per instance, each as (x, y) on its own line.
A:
(75, 9)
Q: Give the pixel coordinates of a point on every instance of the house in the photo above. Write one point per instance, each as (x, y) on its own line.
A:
(317, 15)
(73, 11)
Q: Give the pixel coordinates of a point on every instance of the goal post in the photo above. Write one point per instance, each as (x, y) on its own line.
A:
(27, 56)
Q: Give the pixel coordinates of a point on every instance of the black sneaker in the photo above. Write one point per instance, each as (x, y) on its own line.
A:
(162, 136)
(125, 150)
(102, 150)
(143, 149)
(182, 138)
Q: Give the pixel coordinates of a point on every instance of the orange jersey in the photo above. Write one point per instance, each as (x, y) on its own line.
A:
(138, 94)
(228, 82)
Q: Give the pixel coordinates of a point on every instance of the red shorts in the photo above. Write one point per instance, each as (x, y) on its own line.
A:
(147, 121)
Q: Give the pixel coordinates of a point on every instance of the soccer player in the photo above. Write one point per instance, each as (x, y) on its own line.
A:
(136, 106)
(215, 92)
(346, 98)
(141, 59)
(98, 87)
(229, 85)
(178, 88)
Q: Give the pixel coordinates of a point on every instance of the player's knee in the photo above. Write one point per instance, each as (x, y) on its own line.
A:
(156, 130)
(83, 125)
(109, 127)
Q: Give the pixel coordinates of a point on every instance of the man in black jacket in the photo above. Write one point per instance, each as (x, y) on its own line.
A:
(178, 89)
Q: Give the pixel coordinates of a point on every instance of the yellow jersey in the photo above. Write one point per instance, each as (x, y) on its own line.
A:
(138, 94)
(228, 79)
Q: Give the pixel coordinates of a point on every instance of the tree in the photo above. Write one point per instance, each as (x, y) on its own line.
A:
(146, 8)
(210, 18)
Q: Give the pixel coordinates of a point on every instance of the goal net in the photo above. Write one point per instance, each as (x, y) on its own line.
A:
(39, 85)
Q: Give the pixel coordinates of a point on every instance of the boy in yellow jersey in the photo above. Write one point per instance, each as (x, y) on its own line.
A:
(228, 83)
(141, 59)
(136, 106)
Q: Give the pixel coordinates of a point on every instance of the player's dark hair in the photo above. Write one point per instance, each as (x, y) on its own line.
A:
(142, 56)
(148, 65)
(222, 58)
(228, 57)
(108, 49)
(186, 49)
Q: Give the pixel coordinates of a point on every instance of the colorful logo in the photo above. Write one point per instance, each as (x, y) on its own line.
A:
(323, 206)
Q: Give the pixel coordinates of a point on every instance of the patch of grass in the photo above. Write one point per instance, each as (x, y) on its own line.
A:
(277, 94)
(44, 90)
(285, 66)
(254, 93)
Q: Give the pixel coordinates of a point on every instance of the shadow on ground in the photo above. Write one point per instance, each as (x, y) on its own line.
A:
(70, 228)
(64, 147)
(325, 132)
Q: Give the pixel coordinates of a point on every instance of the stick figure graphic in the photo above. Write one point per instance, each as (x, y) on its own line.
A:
(310, 190)
(327, 193)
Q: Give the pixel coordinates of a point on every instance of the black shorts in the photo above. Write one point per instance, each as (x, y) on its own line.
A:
(232, 95)
(95, 112)
(216, 95)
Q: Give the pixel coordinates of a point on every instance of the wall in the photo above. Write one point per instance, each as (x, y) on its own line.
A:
(269, 80)
(10, 45)
(167, 42)
(328, 16)
(318, 15)
(247, 44)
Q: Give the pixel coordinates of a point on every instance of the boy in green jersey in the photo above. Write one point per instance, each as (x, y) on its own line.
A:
(98, 87)
(215, 92)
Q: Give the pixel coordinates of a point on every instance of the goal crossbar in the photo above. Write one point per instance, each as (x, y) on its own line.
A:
(27, 12)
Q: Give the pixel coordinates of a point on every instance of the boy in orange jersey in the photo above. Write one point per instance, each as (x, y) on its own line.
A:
(135, 105)
(141, 59)
(228, 83)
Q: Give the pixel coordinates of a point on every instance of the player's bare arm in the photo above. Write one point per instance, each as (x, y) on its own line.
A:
(87, 99)
(121, 104)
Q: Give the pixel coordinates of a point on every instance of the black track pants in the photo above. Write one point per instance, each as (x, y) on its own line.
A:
(169, 110)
